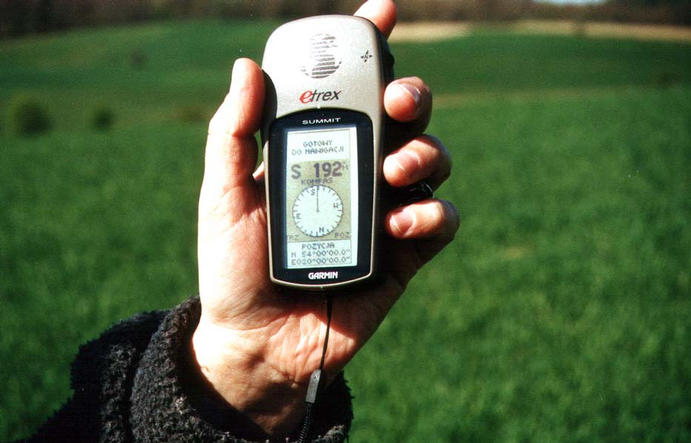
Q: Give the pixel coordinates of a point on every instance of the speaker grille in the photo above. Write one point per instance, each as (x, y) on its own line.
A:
(323, 56)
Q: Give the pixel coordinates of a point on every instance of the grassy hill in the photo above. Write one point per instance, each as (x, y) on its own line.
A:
(560, 313)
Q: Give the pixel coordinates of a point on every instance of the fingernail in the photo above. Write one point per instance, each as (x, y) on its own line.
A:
(402, 221)
(407, 162)
(412, 91)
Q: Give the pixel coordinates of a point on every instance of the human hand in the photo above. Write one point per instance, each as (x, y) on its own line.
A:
(255, 344)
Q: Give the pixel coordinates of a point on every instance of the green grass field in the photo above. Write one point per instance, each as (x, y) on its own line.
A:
(560, 313)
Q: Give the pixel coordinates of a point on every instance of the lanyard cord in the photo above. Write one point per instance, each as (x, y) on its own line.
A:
(316, 378)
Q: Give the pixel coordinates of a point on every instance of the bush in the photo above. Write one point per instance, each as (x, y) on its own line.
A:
(28, 116)
(103, 119)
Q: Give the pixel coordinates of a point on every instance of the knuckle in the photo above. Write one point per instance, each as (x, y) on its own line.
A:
(216, 122)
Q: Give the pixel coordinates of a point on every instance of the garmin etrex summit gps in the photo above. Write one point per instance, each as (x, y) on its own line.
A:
(322, 133)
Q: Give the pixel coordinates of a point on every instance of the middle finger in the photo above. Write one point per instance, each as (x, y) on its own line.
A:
(423, 158)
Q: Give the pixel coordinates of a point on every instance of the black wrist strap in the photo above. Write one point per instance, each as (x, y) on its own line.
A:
(316, 379)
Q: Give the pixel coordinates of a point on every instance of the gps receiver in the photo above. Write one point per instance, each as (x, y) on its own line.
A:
(323, 133)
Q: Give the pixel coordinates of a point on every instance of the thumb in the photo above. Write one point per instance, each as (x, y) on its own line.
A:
(231, 150)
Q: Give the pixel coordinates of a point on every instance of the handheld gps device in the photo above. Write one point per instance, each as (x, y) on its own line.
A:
(322, 132)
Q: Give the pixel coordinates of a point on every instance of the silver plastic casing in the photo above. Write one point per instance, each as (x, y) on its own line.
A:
(326, 54)
(291, 62)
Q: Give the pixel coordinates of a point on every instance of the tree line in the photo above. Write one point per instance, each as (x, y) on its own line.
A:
(19, 17)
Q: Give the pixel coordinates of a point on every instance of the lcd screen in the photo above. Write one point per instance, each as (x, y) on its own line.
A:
(321, 197)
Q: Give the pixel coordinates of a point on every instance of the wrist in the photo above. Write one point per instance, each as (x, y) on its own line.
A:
(236, 368)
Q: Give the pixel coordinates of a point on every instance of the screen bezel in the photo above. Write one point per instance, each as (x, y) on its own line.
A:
(276, 164)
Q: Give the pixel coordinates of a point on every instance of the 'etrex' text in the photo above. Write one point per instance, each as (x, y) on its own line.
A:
(319, 96)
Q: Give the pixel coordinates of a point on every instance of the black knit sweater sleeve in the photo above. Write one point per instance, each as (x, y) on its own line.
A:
(139, 382)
